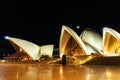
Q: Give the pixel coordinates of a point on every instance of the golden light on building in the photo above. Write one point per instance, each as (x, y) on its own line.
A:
(111, 42)
(28, 51)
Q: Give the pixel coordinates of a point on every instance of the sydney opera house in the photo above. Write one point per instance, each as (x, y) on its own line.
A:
(87, 48)
(28, 51)
(90, 47)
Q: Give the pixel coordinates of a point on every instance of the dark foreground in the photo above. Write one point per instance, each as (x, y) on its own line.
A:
(40, 71)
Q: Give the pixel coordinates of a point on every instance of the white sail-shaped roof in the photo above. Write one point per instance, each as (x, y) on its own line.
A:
(91, 49)
(47, 50)
(93, 38)
(30, 48)
(111, 42)
(66, 33)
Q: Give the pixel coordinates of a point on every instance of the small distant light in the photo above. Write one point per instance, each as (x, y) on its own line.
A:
(78, 27)
(7, 37)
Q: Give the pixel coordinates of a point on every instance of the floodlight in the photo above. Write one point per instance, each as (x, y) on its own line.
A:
(7, 37)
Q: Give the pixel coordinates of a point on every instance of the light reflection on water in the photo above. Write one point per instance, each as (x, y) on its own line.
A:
(58, 72)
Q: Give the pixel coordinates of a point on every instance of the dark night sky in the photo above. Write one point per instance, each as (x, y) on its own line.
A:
(41, 22)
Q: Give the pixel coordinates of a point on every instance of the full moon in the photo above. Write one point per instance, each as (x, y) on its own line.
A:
(78, 27)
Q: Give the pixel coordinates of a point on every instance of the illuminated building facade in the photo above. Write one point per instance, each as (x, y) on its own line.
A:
(111, 42)
(72, 45)
(89, 44)
(28, 51)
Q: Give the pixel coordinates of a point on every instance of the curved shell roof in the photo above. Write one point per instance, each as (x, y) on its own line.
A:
(93, 38)
(47, 50)
(111, 42)
(66, 33)
(30, 48)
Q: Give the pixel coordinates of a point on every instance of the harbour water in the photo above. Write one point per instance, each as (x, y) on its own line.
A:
(39, 71)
